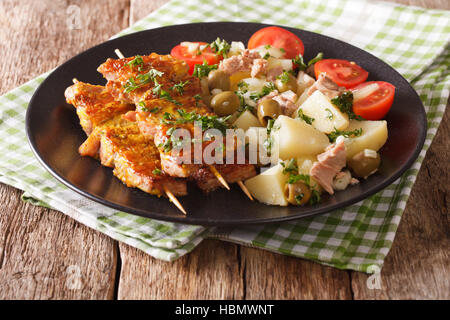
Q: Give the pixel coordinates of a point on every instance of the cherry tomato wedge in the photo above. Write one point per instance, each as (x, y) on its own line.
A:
(343, 72)
(376, 105)
(279, 38)
(182, 53)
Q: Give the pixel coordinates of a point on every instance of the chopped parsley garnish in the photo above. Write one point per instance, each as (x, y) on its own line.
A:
(208, 122)
(167, 116)
(171, 142)
(166, 145)
(156, 90)
(268, 88)
(299, 198)
(131, 85)
(300, 63)
(304, 117)
(170, 131)
(243, 106)
(267, 144)
(315, 197)
(336, 133)
(317, 58)
(163, 94)
(293, 178)
(290, 167)
(283, 50)
(220, 47)
(267, 46)
(154, 110)
(330, 114)
(202, 70)
(142, 106)
(345, 103)
(157, 171)
(137, 61)
(284, 77)
(267, 56)
(197, 98)
(179, 86)
(141, 79)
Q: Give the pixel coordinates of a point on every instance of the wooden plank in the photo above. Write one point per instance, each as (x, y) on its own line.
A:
(42, 251)
(141, 8)
(210, 271)
(273, 276)
(47, 255)
(417, 266)
(430, 4)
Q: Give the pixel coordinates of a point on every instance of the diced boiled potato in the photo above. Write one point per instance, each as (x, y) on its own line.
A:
(326, 115)
(254, 84)
(247, 120)
(297, 138)
(274, 52)
(236, 77)
(236, 48)
(268, 187)
(304, 164)
(285, 64)
(374, 135)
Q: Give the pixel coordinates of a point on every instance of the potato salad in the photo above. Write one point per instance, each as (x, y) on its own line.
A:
(321, 120)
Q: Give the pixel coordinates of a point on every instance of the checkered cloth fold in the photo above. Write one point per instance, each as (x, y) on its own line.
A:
(413, 40)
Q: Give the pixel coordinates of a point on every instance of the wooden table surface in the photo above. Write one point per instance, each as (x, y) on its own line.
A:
(43, 252)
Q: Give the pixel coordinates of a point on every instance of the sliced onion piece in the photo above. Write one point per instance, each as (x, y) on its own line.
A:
(236, 48)
(365, 92)
(192, 47)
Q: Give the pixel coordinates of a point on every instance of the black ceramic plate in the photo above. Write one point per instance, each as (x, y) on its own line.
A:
(55, 134)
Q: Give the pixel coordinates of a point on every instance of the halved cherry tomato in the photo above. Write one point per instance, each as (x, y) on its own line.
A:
(343, 72)
(279, 38)
(376, 105)
(181, 52)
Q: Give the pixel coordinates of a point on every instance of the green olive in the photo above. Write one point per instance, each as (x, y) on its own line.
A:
(286, 82)
(225, 103)
(297, 193)
(218, 79)
(364, 163)
(268, 109)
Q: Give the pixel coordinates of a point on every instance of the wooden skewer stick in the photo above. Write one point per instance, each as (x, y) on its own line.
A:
(119, 53)
(212, 168)
(174, 200)
(244, 188)
(219, 176)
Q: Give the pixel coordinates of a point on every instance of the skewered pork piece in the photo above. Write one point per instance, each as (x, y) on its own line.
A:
(94, 105)
(167, 98)
(118, 143)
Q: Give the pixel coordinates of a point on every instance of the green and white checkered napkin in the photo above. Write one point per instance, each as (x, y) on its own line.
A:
(414, 41)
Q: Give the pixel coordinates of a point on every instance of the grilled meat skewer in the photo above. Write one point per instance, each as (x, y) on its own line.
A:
(118, 143)
(151, 83)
